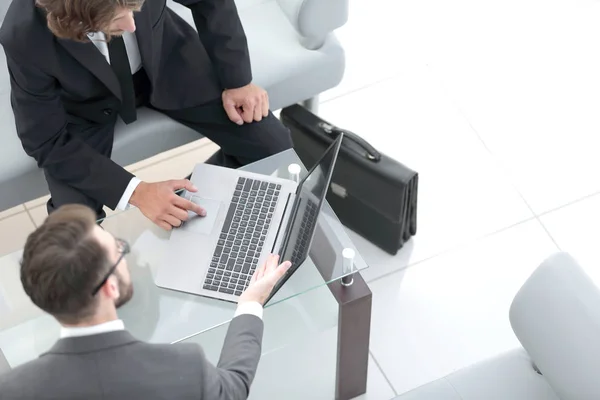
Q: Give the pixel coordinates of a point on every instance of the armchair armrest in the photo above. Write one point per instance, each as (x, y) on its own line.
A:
(4, 367)
(314, 19)
(556, 317)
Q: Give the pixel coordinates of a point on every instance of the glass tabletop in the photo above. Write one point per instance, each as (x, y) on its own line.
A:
(161, 315)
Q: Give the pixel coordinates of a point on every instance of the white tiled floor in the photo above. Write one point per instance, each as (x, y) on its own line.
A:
(495, 104)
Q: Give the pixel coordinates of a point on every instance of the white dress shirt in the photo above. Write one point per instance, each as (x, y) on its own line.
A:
(131, 46)
(251, 308)
(135, 61)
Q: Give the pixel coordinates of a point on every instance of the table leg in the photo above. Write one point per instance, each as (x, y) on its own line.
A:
(354, 330)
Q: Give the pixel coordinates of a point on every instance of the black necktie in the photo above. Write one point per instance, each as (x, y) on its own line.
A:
(120, 65)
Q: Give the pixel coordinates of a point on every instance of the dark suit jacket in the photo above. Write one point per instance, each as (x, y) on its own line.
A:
(65, 96)
(116, 366)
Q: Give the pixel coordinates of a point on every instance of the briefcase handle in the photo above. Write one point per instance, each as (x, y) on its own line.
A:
(333, 131)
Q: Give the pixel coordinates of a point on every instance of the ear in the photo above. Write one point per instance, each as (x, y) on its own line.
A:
(111, 287)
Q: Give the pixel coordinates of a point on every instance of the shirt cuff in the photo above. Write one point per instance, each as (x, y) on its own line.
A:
(251, 307)
(124, 202)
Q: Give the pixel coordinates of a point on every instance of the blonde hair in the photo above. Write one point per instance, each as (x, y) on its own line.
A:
(74, 19)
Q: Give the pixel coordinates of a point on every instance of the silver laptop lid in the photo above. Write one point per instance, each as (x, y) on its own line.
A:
(310, 196)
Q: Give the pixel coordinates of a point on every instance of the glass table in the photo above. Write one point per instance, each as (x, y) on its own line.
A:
(165, 316)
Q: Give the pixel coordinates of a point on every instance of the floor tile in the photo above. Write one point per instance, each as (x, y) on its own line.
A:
(531, 91)
(177, 167)
(12, 211)
(452, 311)
(14, 231)
(37, 202)
(462, 193)
(378, 387)
(312, 373)
(38, 215)
(378, 41)
(169, 154)
(576, 229)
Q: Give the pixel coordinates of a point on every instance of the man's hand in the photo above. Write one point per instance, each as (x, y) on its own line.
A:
(264, 279)
(159, 203)
(246, 104)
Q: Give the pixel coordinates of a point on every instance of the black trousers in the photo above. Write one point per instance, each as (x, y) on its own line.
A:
(239, 144)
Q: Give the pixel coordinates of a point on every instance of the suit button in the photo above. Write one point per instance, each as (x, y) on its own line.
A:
(107, 111)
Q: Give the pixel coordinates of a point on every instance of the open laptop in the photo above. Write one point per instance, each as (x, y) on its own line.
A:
(248, 216)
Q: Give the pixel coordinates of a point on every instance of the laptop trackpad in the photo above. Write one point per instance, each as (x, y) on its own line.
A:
(202, 225)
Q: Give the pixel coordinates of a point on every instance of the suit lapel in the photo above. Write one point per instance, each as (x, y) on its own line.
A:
(143, 34)
(89, 56)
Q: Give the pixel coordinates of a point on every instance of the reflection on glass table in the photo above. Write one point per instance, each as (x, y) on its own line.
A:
(160, 315)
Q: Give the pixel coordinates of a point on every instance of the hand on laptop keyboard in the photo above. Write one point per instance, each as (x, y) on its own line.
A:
(264, 279)
(159, 203)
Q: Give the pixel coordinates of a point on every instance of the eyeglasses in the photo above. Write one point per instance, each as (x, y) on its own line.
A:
(124, 249)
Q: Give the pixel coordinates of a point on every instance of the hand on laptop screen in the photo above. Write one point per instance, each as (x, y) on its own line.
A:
(264, 279)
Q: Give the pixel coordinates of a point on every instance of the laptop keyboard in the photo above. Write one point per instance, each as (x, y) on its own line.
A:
(301, 246)
(242, 237)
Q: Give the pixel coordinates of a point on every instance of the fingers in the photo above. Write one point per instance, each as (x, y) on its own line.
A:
(177, 184)
(258, 114)
(272, 262)
(171, 220)
(254, 276)
(272, 270)
(261, 272)
(281, 270)
(232, 112)
(164, 225)
(258, 274)
(189, 205)
(266, 268)
(265, 105)
(178, 213)
(248, 111)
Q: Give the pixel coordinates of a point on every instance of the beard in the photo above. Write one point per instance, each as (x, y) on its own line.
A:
(126, 291)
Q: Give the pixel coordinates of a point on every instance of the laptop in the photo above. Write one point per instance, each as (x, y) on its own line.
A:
(248, 217)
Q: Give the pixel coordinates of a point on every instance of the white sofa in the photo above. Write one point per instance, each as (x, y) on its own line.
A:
(294, 54)
(556, 317)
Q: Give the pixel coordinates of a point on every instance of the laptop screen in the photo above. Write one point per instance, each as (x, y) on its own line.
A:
(309, 199)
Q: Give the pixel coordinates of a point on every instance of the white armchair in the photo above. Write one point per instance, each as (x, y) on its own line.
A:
(556, 317)
(4, 367)
(294, 55)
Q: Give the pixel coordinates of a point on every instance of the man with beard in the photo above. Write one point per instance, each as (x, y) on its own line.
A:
(76, 271)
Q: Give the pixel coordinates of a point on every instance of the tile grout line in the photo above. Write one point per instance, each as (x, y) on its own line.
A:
(209, 142)
(31, 218)
(497, 161)
(586, 197)
(383, 373)
(452, 250)
(13, 215)
(358, 89)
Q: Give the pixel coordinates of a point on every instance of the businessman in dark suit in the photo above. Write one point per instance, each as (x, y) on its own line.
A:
(75, 65)
(75, 271)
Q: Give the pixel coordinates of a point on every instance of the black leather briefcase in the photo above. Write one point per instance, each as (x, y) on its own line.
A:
(371, 194)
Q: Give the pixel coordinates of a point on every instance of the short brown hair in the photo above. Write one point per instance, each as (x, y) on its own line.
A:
(62, 262)
(74, 19)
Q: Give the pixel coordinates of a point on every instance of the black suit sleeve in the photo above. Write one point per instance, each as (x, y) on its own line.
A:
(41, 123)
(233, 375)
(221, 32)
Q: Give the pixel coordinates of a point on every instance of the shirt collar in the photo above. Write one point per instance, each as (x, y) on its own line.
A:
(111, 326)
